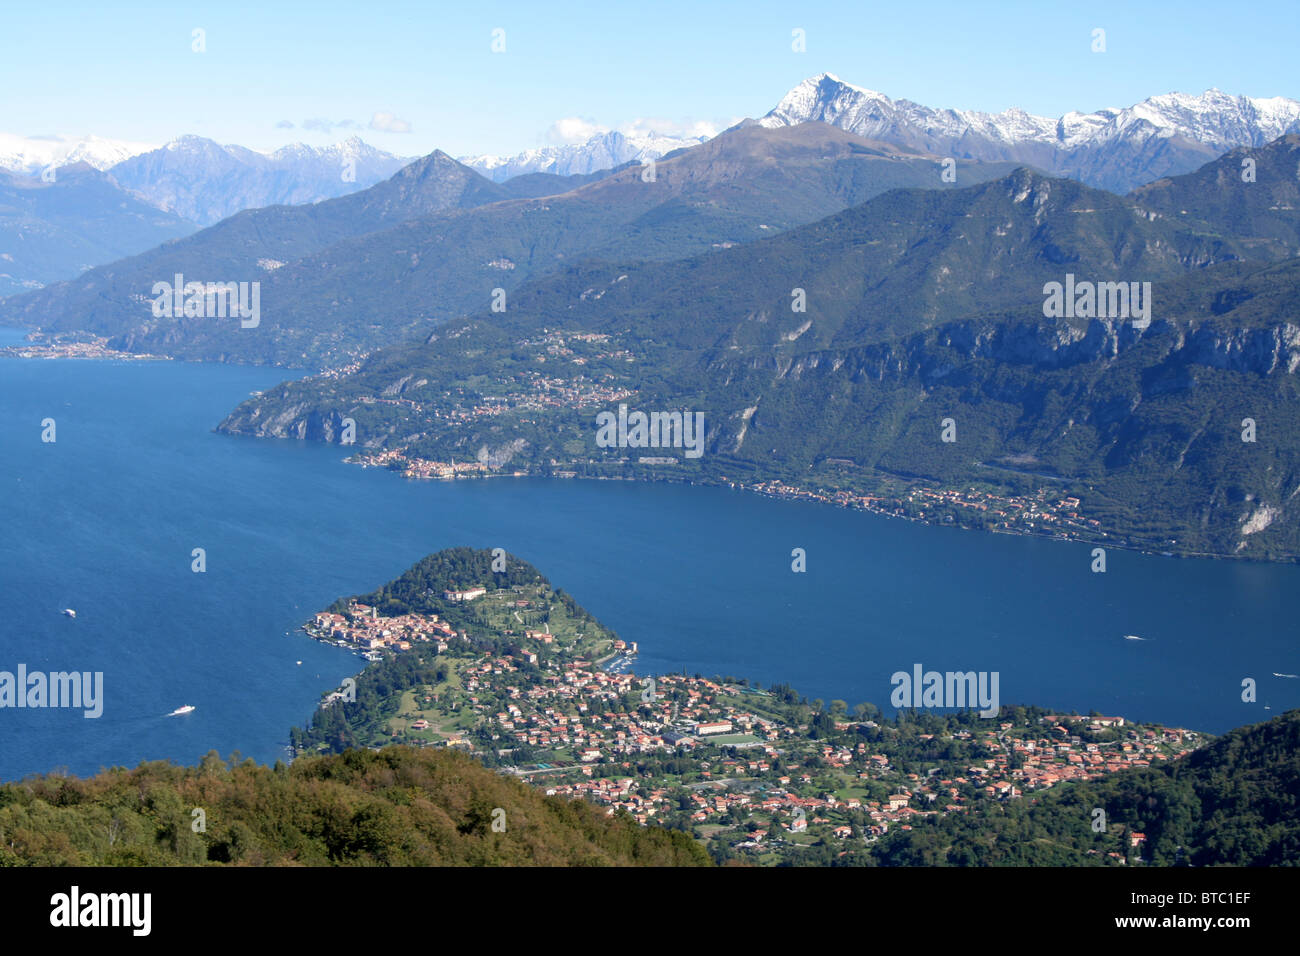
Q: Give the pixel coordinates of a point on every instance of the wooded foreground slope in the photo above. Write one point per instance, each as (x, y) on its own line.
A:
(397, 807)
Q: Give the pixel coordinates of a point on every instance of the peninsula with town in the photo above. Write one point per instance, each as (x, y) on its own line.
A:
(476, 651)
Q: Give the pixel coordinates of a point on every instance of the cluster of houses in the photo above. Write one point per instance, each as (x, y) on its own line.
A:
(752, 787)
(363, 629)
(1015, 763)
(557, 346)
(567, 393)
(559, 711)
(1062, 755)
(1016, 511)
(421, 467)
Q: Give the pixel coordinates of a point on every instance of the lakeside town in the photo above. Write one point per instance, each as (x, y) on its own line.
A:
(749, 771)
(364, 631)
(1040, 513)
(39, 346)
(1037, 513)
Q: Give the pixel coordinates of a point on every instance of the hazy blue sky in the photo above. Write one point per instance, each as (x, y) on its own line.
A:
(75, 68)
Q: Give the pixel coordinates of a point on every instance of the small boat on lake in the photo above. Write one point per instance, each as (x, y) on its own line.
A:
(69, 612)
(184, 709)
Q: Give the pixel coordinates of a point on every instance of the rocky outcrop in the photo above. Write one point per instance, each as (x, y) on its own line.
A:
(1262, 351)
(934, 355)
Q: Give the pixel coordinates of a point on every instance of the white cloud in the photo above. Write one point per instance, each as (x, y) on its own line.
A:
(388, 123)
(572, 129)
(684, 129)
(321, 125)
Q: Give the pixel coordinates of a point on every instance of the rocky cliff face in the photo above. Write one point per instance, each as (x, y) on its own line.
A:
(1152, 421)
(1261, 351)
(287, 412)
(930, 356)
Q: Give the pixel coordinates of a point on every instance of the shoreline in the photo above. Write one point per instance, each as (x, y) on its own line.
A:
(96, 350)
(821, 498)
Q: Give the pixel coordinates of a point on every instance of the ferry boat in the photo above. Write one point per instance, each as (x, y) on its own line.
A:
(184, 709)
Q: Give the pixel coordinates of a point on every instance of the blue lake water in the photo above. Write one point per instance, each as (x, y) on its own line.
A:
(104, 521)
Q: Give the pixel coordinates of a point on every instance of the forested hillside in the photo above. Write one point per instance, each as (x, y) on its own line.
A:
(831, 356)
(398, 807)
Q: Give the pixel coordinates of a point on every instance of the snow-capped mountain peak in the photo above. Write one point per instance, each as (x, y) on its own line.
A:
(205, 181)
(1113, 148)
(602, 151)
(31, 154)
(1213, 118)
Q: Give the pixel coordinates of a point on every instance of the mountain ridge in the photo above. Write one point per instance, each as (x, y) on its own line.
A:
(1113, 149)
(914, 300)
(336, 293)
(605, 150)
(206, 181)
(54, 230)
